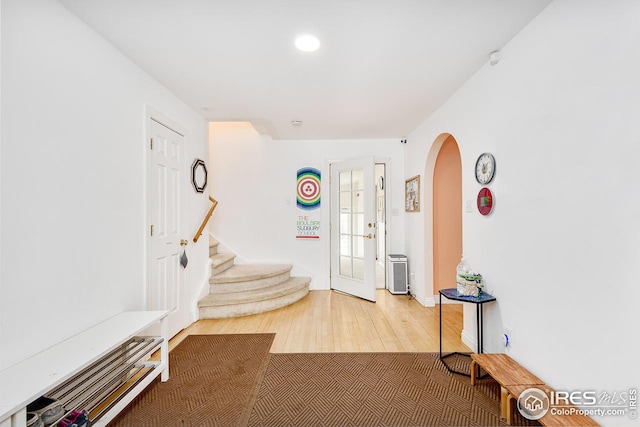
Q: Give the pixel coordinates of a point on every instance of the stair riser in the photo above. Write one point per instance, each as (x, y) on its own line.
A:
(213, 250)
(221, 267)
(245, 309)
(222, 288)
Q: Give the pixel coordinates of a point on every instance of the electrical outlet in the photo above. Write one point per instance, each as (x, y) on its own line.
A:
(507, 338)
(412, 278)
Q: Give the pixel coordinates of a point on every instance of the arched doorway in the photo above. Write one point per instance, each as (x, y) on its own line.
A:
(447, 214)
(446, 154)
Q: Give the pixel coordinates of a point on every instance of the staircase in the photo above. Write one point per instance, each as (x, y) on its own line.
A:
(241, 290)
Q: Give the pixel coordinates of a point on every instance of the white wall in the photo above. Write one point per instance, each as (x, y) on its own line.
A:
(1, 352)
(254, 179)
(74, 221)
(560, 114)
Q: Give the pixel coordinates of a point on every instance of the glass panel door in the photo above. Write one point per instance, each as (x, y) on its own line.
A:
(353, 233)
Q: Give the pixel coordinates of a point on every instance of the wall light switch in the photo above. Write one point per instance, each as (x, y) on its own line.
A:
(469, 206)
(395, 212)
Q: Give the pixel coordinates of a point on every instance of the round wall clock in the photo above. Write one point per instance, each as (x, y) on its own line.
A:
(485, 168)
(485, 201)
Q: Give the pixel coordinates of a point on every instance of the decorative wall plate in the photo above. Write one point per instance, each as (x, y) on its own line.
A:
(485, 201)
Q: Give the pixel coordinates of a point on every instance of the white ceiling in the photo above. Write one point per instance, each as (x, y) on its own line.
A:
(383, 67)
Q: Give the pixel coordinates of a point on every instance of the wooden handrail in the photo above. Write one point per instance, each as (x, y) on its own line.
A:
(206, 219)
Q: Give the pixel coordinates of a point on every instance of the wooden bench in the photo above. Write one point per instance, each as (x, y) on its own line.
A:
(514, 380)
(506, 371)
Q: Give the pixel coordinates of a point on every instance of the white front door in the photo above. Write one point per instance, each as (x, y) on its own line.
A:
(353, 218)
(166, 289)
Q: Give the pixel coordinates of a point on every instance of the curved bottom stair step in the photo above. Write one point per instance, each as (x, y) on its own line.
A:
(247, 277)
(245, 303)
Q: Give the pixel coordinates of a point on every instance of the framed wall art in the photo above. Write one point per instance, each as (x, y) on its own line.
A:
(199, 175)
(412, 194)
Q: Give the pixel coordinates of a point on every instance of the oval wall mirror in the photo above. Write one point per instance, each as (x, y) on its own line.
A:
(199, 175)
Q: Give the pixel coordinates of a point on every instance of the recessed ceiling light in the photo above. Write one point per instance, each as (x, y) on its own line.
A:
(307, 43)
(296, 122)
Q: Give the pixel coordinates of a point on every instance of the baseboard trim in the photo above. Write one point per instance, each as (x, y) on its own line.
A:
(469, 340)
(428, 302)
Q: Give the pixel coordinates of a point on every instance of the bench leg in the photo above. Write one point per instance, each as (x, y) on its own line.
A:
(504, 396)
(509, 408)
(473, 372)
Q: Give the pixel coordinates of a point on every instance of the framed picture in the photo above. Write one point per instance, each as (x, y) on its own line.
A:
(412, 194)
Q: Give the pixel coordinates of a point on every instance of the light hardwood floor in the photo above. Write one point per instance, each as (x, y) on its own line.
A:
(327, 321)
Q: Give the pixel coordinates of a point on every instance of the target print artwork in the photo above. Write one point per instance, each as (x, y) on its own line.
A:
(308, 202)
(308, 192)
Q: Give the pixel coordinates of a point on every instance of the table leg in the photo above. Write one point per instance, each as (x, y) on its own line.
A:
(478, 326)
(481, 328)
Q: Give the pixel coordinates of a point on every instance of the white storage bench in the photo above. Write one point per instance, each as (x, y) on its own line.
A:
(101, 370)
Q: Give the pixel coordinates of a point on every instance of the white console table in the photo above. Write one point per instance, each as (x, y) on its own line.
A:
(108, 351)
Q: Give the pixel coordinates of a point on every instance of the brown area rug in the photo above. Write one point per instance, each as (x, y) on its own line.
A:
(373, 389)
(232, 380)
(212, 381)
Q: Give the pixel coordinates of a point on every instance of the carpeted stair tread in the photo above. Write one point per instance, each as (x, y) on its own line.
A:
(219, 259)
(221, 262)
(247, 272)
(292, 285)
(213, 246)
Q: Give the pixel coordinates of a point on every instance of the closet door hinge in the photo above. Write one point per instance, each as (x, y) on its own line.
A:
(151, 230)
(151, 144)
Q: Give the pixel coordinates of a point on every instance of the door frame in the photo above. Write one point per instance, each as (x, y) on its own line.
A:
(429, 299)
(387, 217)
(446, 255)
(156, 116)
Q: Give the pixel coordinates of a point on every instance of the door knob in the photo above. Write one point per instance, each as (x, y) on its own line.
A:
(183, 242)
(368, 236)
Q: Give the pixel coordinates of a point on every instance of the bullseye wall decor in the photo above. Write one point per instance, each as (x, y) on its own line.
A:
(308, 189)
